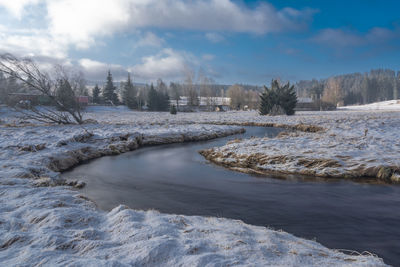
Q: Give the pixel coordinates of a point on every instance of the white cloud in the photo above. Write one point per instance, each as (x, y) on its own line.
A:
(338, 37)
(168, 64)
(215, 15)
(150, 40)
(347, 38)
(31, 43)
(214, 37)
(380, 35)
(80, 22)
(96, 71)
(16, 7)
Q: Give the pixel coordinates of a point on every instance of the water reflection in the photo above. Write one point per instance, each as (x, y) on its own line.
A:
(176, 179)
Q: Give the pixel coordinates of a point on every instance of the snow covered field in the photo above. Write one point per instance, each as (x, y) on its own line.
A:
(353, 144)
(44, 224)
(385, 105)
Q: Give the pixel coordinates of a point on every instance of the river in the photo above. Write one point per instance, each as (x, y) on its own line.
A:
(176, 179)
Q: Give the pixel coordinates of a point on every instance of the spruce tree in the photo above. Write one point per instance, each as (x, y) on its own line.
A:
(65, 95)
(109, 91)
(152, 99)
(278, 99)
(163, 102)
(96, 94)
(173, 110)
(268, 100)
(287, 98)
(129, 94)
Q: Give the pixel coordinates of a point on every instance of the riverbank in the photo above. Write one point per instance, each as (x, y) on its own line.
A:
(352, 145)
(41, 223)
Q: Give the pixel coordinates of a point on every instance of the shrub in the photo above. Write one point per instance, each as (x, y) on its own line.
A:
(278, 99)
(173, 110)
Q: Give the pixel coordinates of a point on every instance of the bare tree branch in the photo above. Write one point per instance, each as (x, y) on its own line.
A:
(28, 72)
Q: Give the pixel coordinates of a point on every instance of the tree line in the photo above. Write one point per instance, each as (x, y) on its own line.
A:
(62, 89)
(134, 97)
(355, 88)
(157, 96)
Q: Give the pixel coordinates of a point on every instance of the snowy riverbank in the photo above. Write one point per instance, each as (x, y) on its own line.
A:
(42, 225)
(352, 145)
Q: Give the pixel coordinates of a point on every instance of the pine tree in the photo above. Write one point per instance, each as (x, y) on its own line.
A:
(173, 110)
(268, 100)
(96, 94)
(129, 94)
(287, 98)
(163, 102)
(278, 99)
(65, 95)
(109, 91)
(152, 99)
(175, 93)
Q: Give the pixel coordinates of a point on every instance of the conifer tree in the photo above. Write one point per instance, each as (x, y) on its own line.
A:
(129, 94)
(109, 90)
(65, 94)
(278, 99)
(152, 99)
(175, 93)
(96, 94)
(163, 101)
(173, 110)
(287, 98)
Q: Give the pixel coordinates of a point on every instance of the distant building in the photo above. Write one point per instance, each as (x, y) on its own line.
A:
(304, 100)
(33, 99)
(205, 104)
(82, 100)
(40, 99)
(306, 104)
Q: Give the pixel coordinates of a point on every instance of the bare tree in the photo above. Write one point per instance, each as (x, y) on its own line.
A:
(189, 87)
(27, 71)
(175, 92)
(206, 89)
(236, 93)
(333, 92)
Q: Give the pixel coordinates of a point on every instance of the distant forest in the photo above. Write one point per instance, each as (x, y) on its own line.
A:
(354, 88)
(347, 89)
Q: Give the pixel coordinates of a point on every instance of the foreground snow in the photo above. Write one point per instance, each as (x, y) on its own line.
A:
(42, 225)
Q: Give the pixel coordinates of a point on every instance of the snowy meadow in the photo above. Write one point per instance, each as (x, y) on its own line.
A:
(44, 221)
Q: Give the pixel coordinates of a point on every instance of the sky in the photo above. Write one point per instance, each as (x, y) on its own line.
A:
(248, 42)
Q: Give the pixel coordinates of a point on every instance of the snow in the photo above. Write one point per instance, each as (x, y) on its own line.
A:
(44, 222)
(384, 105)
(353, 144)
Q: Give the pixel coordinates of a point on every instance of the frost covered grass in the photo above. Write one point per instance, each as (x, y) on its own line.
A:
(44, 222)
(353, 144)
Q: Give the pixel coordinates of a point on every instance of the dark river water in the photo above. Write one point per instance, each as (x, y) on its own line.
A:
(176, 179)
